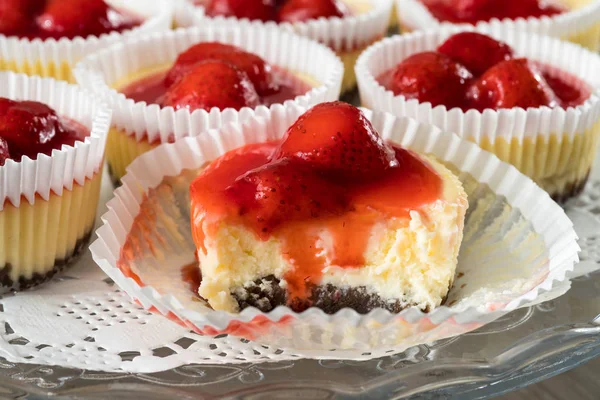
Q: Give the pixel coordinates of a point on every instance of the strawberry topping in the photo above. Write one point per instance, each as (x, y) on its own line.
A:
(262, 10)
(352, 150)
(255, 67)
(512, 83)
(474, 71)
(304, 10)
(28, 128)
(475, 51)
(431, 77)
(473, 11)
(212, 84)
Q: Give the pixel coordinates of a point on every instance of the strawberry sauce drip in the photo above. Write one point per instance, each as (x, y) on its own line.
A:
(151, 89)
(190, 274)
(340, 234)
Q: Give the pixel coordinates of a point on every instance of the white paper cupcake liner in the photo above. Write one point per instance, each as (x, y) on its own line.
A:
(518, 245)
(50, 57)
(150, 122)
(368, 24)
(413, 15)
(66, 166)
(184, 13)
(490, 125)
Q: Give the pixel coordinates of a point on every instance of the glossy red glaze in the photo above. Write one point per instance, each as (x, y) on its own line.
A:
(290, 200)
(430, 77)
(473, 11)
(29, 128)
(278, 10)
(475, 51)
(261, 10)
(191, 275)
(352, 151)
(257, 69)
(305, 10)
(498, 81)
(151, 89)
(211, 84)
(61, 18)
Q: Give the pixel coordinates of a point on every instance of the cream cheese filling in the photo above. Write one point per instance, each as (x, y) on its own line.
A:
(411, 259)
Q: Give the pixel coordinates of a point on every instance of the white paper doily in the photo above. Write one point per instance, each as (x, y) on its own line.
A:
(82, 320)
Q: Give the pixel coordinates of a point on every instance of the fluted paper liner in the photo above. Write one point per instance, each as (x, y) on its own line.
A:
(518, 245)
(347, 36)
(149, 123)
(48, 205)
(56, 58)
(554, 146)
(580, 25)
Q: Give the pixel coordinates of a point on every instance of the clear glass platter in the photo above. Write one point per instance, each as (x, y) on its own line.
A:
(524, 347)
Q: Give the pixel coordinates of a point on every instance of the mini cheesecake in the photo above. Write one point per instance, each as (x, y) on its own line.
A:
(573, 20)
(347, 26)
(330, 217)
(48, 37)
(56, 19)
(504, 95)
(39, 236)
(207, 75)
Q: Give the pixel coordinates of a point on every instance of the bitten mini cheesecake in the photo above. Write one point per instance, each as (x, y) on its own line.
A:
(534, 104)
(52, 138)
(202, 79)
(331, 216)
(347, 26)
(47, 37)
(573, 20)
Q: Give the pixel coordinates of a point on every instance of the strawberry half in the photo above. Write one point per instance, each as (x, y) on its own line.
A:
(255, 67)
(338, 140)
(475, 51)
(512, 83)
(29, 128)
(71, 18)
(304, 10)
(431, 77)
(262, 10)
(282, 191)
(212, 84)
(16, 16)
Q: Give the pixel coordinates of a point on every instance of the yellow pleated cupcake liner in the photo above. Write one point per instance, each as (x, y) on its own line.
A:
(36, 239)
(121, 150)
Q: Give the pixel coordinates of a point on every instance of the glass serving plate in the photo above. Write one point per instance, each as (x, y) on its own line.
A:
(524, 347)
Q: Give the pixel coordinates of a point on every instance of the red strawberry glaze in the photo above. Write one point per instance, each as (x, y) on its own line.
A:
(191, 275)
(493, 81)
(29, 128)
(348, 210)
(151, 89)
(57, 19)
(473, 11)
(277, 10)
